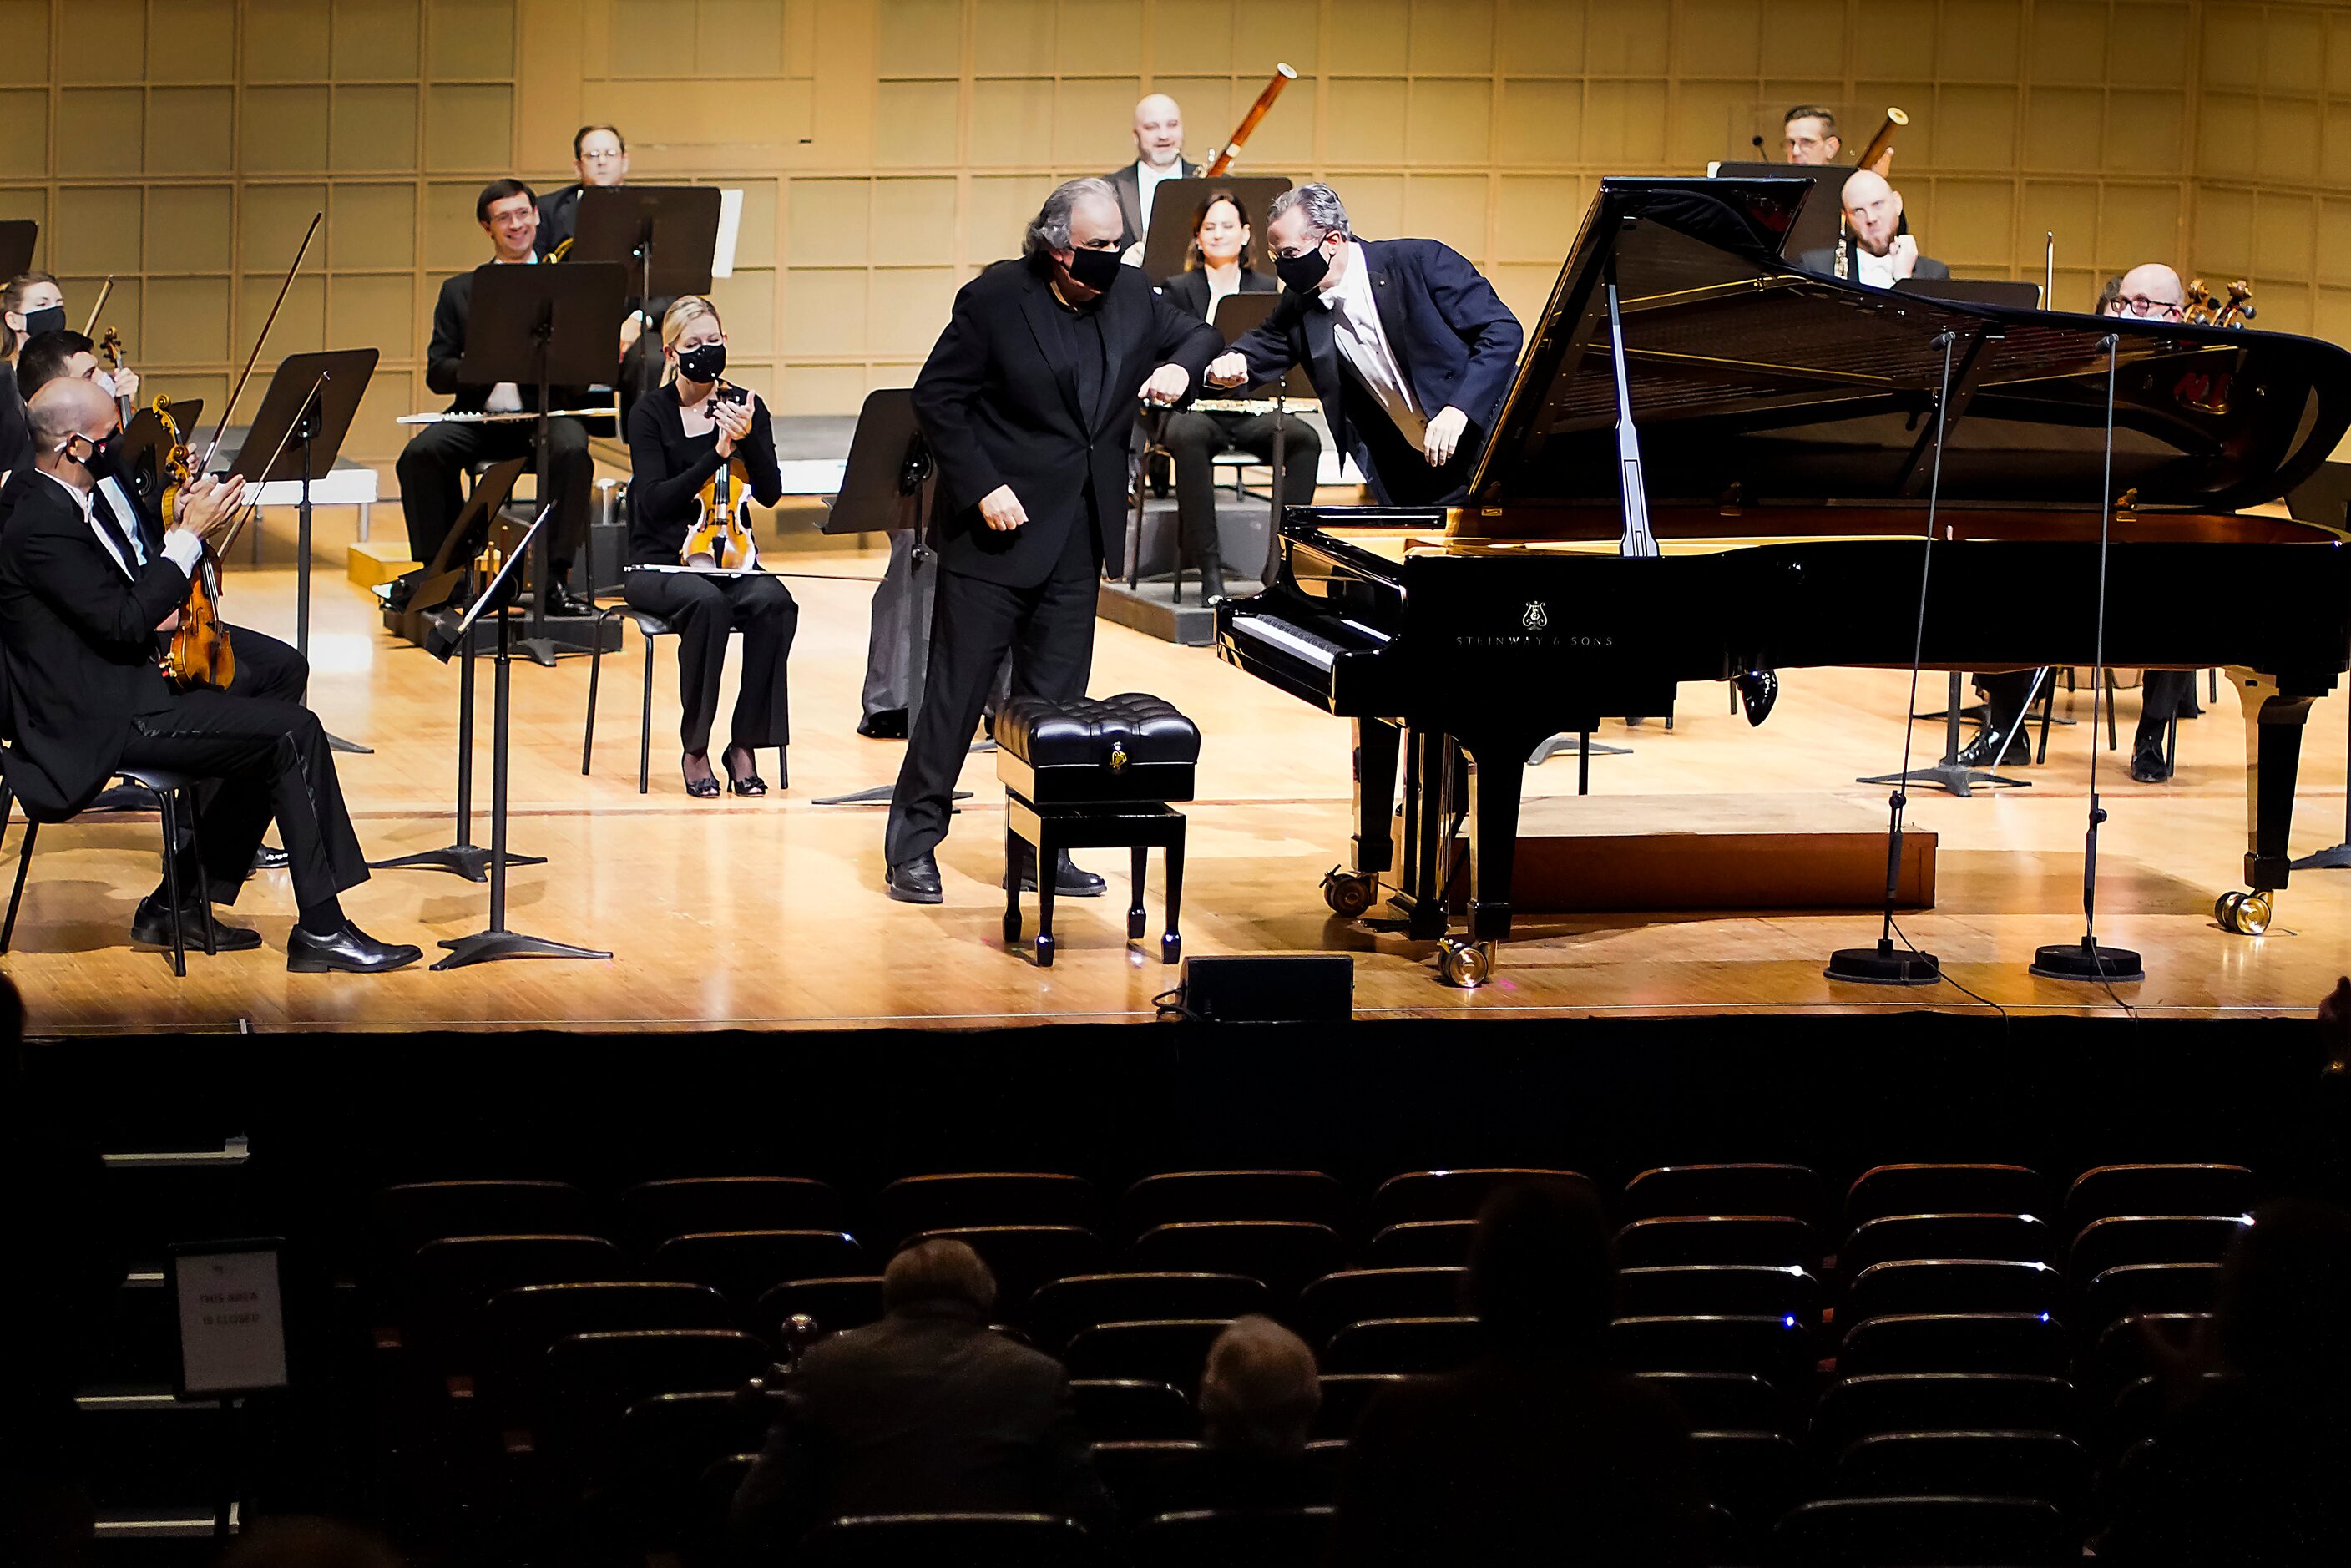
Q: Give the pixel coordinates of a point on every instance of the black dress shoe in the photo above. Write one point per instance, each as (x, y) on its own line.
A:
(1212, 584)
(916, 881)
(151, 926)
(889, 724)
(1069, 879)
(2148, 765)
(269, 857)
(561, 601)
(348, 948)
(1984, 751)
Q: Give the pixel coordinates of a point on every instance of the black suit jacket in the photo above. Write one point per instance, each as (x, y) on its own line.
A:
(1190, 289)
(1456, 342)
(1823, 261)
(998, 402)
(78, 641)
(558, 218)
(927, 1410)
(451, 314)
(16, 432)
(1129, 187)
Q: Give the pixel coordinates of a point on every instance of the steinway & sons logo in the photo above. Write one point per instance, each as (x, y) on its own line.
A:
(1537, 617)
(1534, 631)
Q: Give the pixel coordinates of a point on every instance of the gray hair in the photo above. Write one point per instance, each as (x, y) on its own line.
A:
(938, 1270)
(1259, 1389)
(1049, 229)
(1320, 202)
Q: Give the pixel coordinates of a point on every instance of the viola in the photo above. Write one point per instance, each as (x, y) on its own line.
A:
(721, 535)
(196, 652)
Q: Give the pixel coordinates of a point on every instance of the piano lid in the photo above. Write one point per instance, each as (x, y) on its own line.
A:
(1756, 382)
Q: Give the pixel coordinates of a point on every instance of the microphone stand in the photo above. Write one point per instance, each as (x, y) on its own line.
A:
(1884, 964)
(2086, 960)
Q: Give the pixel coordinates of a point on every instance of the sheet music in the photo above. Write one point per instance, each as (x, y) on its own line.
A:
(701, 570)
(730, 224)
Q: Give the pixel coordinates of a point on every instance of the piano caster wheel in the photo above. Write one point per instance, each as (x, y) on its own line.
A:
(1349, 893)
(2246, 913)
(1012, 929)
(1044, 951)
(1171, 948)
(1465, 964)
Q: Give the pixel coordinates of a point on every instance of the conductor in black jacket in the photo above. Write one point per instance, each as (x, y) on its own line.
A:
(928, 1411)
(1409, 348)
(437, 455)
(78, 637)
(1026, 402)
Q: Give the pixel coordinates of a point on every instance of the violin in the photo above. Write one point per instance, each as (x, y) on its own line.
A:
(721, 535)
(196, 652)
(109, 353)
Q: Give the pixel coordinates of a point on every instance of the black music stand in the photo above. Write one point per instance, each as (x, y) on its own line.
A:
(2325, 498)
(497, 598)
(664, 236)
(1816, 225)
(18, 239)
(444, 588)
(887, 486)
(543, 326)
(1174, 202)
(143, 444)
(298, 433)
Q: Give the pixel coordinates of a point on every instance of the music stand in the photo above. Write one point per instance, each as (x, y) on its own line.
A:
(141, 445)
(2003, 292)
(664, 236)
(543, 326)
(1174, 204)
(298, 433)
(498, 597)
(2325, 498)
(18, 239)
(1817, 224)
(442, 586)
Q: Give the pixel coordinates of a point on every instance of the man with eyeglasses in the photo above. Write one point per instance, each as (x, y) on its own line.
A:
(2152, 292)
(2149, 291)
(601, 155)
(1409, 348)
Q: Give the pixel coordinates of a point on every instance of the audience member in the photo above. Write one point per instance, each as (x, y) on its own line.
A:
(1259, 1394)
(1539, 1447)
(2250, 1469)
(928, 1410)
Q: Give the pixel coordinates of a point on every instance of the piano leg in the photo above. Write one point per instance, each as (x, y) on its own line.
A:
(1423, 882)
(2273, 726)
(1497, 776)
(1376, 745)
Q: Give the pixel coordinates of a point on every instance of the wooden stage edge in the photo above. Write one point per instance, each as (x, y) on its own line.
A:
(769, 915)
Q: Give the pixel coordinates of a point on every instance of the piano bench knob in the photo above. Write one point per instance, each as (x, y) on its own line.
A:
(1467, 964)
(1349, 893)
(2246, 913)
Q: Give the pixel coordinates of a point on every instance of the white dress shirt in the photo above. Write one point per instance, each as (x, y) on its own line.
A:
(181, 548)
(1363, 342)
(507, 396)
(1876, 271)
(1146, 184)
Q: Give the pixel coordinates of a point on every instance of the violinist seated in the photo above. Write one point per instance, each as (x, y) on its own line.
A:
(437, 456)
(77, 635)
(265, 667)
(38, 355)
(700, 450)
(1215, 266)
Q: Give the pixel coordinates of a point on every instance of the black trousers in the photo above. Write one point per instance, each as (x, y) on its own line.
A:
(2162, 694)
(437, 457)
(1194, 439)
(272, 759)
(2005, 696)
(267, 668)
(703, 609)
(1049, 631)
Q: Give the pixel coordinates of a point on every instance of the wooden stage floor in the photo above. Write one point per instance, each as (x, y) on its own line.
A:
(770, 913)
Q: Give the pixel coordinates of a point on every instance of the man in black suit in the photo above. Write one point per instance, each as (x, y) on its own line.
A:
(1409, 349)
(1026, 402)
(601, 155)
(1158, 156)
(929, 1410)
(1878, 251)
(77, 632)
(436, 456)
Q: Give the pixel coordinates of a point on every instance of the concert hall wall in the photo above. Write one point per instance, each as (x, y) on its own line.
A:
(887, 147)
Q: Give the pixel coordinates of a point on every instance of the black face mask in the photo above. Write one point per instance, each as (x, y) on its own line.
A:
(704, 362)
(1097, 269)
(1303, 272)
(48, 319)
(100, 460)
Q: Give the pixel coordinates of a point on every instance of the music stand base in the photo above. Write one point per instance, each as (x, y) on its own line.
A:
(1959, 781)
(1884, 965)
(349, 748)
(2337, 859)
(2086, 961)
(471, 861)
(482, 946)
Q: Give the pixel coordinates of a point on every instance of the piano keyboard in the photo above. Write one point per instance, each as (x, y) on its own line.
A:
(1320, 652)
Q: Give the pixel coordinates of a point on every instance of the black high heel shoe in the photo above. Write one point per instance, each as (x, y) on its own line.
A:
(700, 789)
(750, 784)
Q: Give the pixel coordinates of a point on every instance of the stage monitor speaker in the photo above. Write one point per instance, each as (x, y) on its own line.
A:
(1270, 988)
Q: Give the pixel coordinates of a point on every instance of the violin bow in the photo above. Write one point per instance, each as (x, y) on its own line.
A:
(98, 307)
(237, 391)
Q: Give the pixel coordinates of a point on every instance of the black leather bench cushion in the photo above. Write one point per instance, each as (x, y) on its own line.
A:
(1082, 733)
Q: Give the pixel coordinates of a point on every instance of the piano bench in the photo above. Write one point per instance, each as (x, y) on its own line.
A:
(1095, 773)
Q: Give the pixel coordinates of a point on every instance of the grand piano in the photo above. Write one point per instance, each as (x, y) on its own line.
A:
(1786, 426)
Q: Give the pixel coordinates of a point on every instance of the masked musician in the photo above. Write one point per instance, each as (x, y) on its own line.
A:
(31, 306)
(1158, 158)
(1409, 347)
(1875, 249)
(1026, 402)
(1218, 265)
(679, 438)
(438, 454)
(1808, 135)
(78, 630)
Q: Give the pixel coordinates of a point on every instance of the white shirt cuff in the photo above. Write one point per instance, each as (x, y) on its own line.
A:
(184, 550)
